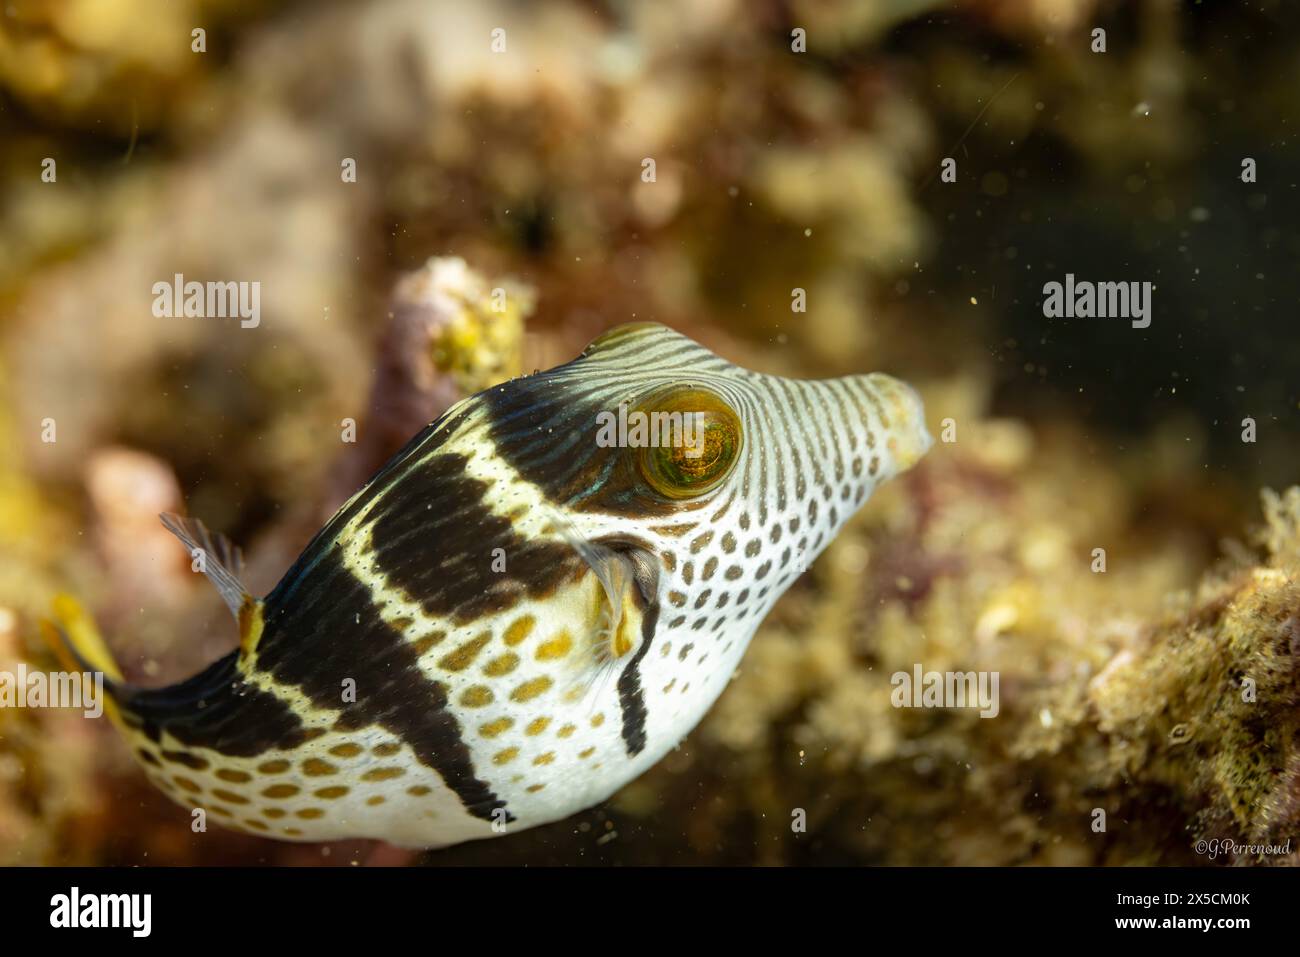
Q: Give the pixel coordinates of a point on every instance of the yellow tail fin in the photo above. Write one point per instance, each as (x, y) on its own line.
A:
(76, 641)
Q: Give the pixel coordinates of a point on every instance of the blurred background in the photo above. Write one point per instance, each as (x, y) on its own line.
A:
(775, 169)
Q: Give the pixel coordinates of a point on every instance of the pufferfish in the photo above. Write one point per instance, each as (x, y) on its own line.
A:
(512, 619)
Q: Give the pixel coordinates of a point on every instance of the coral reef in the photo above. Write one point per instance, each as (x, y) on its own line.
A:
(1169, 707)
(1160, 691)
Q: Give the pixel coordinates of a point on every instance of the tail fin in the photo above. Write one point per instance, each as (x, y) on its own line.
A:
(77, 643)
(79, 646)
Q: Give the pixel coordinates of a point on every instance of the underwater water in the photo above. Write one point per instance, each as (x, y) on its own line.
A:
(249, 250)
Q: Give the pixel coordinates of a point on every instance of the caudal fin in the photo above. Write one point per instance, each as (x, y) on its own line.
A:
(76, 641)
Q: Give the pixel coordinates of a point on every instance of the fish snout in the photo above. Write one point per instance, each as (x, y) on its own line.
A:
(904, 420)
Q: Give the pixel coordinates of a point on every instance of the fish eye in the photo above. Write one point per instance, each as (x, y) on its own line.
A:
(694, 440)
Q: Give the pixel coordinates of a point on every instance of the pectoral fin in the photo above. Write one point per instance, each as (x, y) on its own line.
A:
(624, 626)
(629, 580)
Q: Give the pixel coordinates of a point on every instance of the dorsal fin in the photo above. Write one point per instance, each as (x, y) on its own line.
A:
(223, 562)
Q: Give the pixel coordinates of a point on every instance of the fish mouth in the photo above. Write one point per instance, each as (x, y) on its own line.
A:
(902, 418)
(912, 439)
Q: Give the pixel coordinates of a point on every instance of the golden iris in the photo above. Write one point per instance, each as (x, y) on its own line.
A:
(696, 439)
